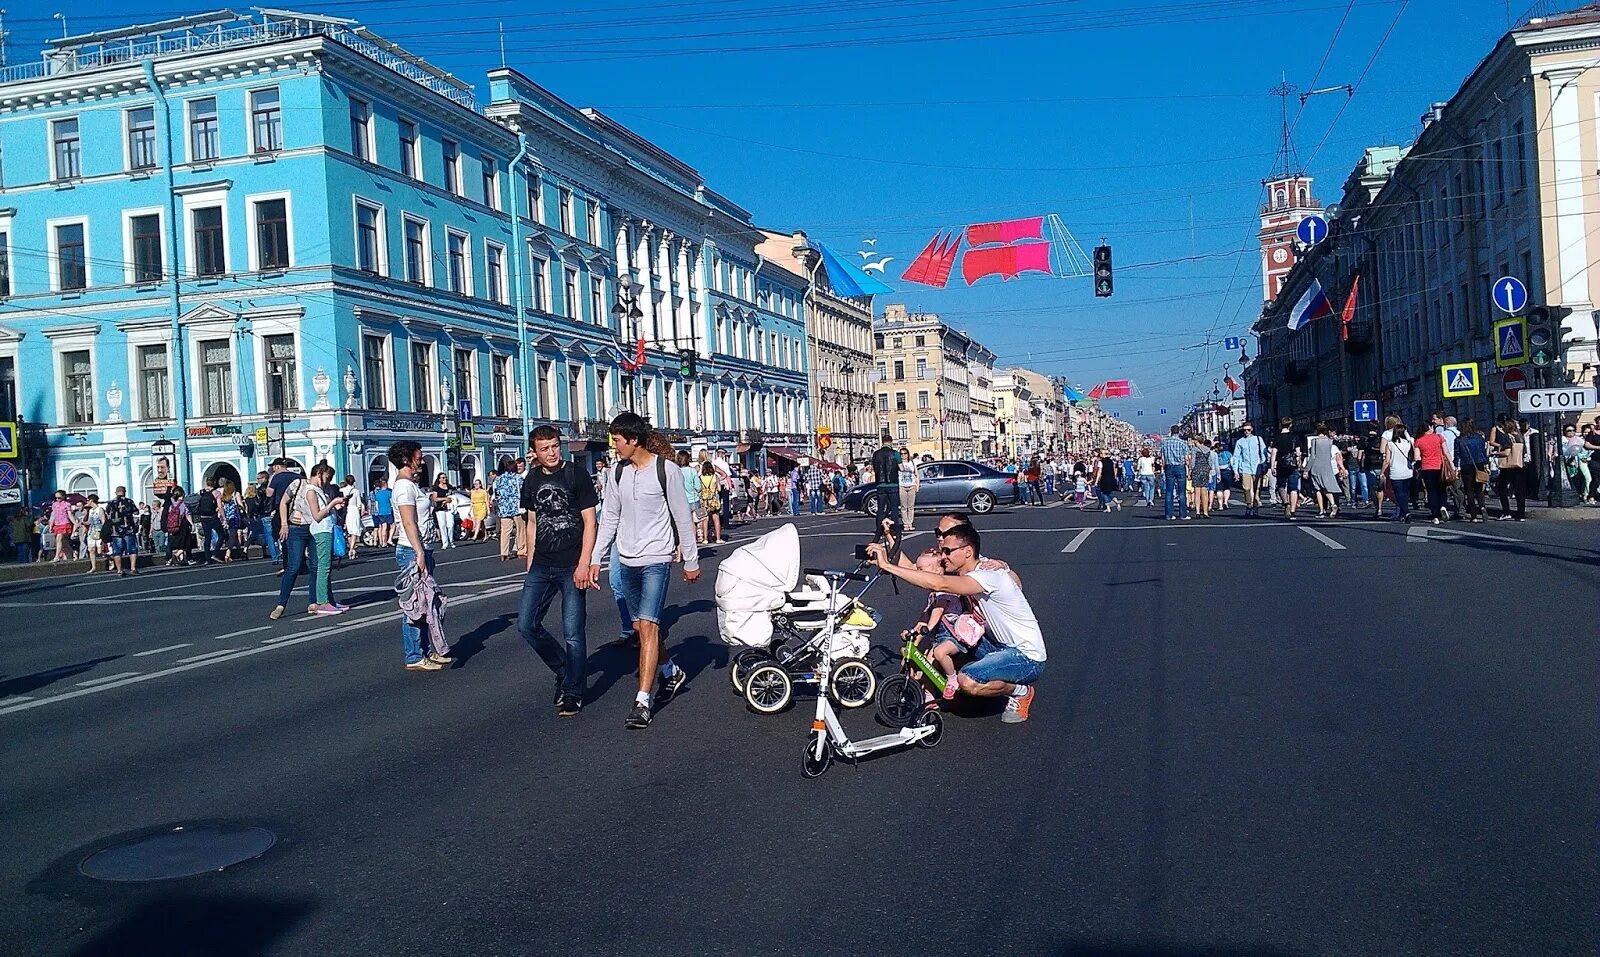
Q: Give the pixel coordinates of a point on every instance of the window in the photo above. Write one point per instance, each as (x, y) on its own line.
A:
(597, 301)
(272, 233)
(883, 372)
(1519, 158)
(203, 145)
(369, 255)
(374, 365)
(539, 271)
(575, 392)
(77, 388)
(416, 240)
(142, 137)
(899, 369)
(564, 203)
(901, 431)
(281, 373)
(500, 386)
(216, 375)
(421, 377)
(5, 264)
(601, 390)
(883, 401)
(547, 395)
(154, 392)
(571, 290)
(494, 269)
(922, 398)
(922, 367)
(452, 165)
(592, 218)
(899, 401)
(535, 198)
(266, 121)
(491, 183)
(455, 247)
(925, 428)
(66, 148)
(144, 234)
(72, 270)
(210, 257)
(922, 340)
(360, 130)
(461, 361)
(410, 155)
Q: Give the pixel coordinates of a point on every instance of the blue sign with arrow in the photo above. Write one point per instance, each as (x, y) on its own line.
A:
(1509, 294)
(1366, 410)
(1230, 343)
(1312, 230)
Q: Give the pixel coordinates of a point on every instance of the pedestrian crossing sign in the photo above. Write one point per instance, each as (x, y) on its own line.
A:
(1459, 380)
(9, 446)
(1511, 341)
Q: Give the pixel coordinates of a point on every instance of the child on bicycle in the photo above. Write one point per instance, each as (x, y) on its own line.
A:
(961, 623)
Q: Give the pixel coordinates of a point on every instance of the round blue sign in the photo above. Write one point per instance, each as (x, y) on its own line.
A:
(1509, 294)
(8, 475)
(1312, 230)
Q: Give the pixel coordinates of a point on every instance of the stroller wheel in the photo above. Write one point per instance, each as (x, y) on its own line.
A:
(813, 766)
(899, 700)
(739, 666)
(853, 683)
(768, 689)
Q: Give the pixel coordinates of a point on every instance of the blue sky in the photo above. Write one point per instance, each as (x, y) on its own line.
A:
(894, 118)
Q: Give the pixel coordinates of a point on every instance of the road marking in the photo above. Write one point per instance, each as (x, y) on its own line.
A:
(1322, 538)
(1427, 533)
(100, 681)
(235, 634)
(1077, 541)
(209, 654)
(15, 699)
(157, 651)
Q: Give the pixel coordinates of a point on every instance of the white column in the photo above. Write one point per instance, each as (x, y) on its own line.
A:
(647, 292)
(624, 260)
(683, 323)
(1568, 184)
(663, 316)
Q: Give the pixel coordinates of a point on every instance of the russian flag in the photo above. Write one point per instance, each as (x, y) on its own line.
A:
(1313, 305)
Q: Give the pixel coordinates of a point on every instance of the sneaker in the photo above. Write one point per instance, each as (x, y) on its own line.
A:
(277, 612)
(1504, 518)
(325, 610)
(1188, 517)
(639, 717)
(949, 688)
(311, 609)
(439, 659)
(341, 606)
(569, 704)
(673, 684)
(424, 665)
(1017, 708)
(556, 698)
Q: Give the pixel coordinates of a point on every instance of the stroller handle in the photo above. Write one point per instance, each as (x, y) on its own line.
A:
(842, 576)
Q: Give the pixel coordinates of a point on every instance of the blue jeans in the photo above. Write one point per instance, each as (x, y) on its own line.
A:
(644, 588)
(623, 615)
(1147, 488)
(1402, 497)
(997, 662)
(1172, 491)
(816, 500)
(410, 633)
(264, 530)
(568, 658)
(24, 552)
(794, 502)
(297, 558)
(1358, 486)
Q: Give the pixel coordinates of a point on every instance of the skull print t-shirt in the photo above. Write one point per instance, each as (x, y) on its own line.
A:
(556, 501)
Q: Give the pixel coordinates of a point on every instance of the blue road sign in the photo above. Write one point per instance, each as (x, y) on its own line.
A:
(1509, 294)
(8, 475)
(1366, 410)
(8, 440)
(464, 410)
(1312, 230)
(1230, 343)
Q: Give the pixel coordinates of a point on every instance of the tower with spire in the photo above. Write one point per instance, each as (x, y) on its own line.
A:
(1287, 200)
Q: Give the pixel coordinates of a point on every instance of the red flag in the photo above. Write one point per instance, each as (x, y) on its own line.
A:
(918, 270)
(1006, 231)
(1005, 261)
(1231, 383)
(1349, 312)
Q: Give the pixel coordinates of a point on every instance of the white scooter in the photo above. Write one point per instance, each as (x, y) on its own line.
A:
(828, 738)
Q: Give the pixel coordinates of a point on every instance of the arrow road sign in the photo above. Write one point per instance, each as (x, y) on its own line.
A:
(1458, 380)
(8, 440)
(1312, 230)
(1509, 294)
(1366, 410)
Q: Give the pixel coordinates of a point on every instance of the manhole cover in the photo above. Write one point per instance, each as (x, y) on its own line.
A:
(180, 852)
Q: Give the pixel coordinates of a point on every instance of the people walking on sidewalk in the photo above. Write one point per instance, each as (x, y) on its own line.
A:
(122, 518)
(647, 516)
(1145, 471)
(382, 512)
(1106, 485)
(1472, 461)
(355, 516)
(441, 499)
(413, 557)
(1507, 443)
(1325, 463)
(1430, 465)
(61, 524)
(179, 529)
(1174, 476)
(558, 502)
(1285, 462)
(1398, 454)
(1202, 475)
(294, 542)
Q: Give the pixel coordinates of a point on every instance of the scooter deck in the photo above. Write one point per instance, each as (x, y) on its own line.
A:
(882, 741)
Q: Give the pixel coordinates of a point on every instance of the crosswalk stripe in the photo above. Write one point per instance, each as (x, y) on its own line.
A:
(100, 681)
(157, 651)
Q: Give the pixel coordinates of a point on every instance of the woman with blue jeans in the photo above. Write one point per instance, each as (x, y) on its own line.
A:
(413, 534)
(294, 520)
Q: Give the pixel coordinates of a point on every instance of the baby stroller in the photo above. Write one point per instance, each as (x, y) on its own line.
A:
(780, 623)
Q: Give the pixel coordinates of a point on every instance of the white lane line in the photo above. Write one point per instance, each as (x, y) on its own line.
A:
(15, 699)
(246, 631)
(209, 654)
(1322, 538)
(100, 681)
(1077, 541)
(12, 705)
(157, 651)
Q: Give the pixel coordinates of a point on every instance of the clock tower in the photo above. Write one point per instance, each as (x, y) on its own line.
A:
(1288, 201)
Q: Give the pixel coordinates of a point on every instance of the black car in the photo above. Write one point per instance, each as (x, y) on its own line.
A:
(950, 485)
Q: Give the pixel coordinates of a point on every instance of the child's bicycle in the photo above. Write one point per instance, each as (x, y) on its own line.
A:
(902, 696)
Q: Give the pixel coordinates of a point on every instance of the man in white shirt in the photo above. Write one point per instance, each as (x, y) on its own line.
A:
(1011, 654)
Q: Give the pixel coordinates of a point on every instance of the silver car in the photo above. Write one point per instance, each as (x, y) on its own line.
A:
(949, 485)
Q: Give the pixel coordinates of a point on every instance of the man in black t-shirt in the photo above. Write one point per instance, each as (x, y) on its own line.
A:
(558, 503)
(1285, 456)
(886, 473)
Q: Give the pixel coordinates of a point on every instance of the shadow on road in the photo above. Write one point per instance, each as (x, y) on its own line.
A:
(1162, 949)
(180, 925)
(617, 660)
(23, 684)
(473, 641)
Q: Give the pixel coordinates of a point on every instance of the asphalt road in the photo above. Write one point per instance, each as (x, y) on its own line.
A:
(1251, 738)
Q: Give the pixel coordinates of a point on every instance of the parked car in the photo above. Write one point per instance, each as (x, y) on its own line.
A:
(945, 486)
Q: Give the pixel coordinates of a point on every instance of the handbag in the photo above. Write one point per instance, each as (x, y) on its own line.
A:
(1447, 472)
(341, 546)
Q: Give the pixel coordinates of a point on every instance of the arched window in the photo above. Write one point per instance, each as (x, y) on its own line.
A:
(1279, 198)
(83, 483)
(1304, 198)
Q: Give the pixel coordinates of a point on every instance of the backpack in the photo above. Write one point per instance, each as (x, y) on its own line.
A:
(205, 505)
(661, 476)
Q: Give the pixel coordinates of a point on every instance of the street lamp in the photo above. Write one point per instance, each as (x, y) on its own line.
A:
(626, 309)
(845, 372)
(938, 395)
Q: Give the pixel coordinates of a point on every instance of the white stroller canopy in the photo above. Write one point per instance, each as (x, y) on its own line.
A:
(751, 584)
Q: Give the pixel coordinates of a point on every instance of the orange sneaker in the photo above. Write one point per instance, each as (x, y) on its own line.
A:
(1017, 708)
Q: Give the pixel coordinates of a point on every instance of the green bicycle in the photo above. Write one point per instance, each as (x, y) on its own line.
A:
(901, 696)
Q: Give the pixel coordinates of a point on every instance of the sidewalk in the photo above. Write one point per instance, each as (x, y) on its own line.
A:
(13, 572)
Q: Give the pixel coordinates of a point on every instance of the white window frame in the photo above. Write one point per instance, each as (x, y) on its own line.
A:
(261, 328)
(206, 200)
(415, 149)
(426, 280)
(388, 383)
(434, 406)
(188, 129)
(50, 226)
(565, 214)
(211, 332)
(127, 139)
(539, 281)
(9, 269)
(138, 339)
(535, 196)
(128, 216)
(370, 146)
(466, 260)
(508, 398)
(382, 246)
(570, 302)
(498, 291)
(473, 376)
(50, 145)
(252, 245)
(577, 388)
(597, 298)
(250, 120)
(591, 218)
(452, 184)
(489, 175)
(59, 347)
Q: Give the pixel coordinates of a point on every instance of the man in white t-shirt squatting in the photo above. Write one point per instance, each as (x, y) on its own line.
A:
(1010, 656)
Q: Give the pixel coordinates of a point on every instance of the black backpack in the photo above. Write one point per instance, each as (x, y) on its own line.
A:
(205, 505)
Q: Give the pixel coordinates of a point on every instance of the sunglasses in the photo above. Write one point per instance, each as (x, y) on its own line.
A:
(947, 551)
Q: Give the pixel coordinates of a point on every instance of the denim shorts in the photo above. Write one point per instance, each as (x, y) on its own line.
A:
(125, 544)
(644, 589)
(383, 521)
(996, 662)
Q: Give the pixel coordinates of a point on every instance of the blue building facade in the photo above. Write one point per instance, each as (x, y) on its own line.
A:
(224, 238)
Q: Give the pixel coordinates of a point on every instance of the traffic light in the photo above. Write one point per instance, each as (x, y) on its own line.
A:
(1543, 337)
(1102, 271)
(686, 363)
(452, 459)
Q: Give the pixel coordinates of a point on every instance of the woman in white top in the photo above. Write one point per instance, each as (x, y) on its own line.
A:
(1398, 454)
(1146, 470)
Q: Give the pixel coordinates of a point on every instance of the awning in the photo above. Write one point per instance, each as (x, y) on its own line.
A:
(785, 452)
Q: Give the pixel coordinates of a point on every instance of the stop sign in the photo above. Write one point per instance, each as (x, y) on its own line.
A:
(1513, 382)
